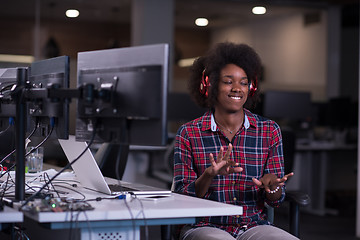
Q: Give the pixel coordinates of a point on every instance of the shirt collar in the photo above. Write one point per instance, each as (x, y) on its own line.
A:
(213, 123)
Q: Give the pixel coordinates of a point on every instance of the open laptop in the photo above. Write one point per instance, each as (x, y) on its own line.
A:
(89, 175)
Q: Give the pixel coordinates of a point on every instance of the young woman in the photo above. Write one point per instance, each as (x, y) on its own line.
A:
(229, 154)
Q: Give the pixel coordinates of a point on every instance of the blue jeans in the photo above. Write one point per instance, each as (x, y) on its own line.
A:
(262, 232)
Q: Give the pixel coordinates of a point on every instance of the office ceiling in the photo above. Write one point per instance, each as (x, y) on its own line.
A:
(219, 12)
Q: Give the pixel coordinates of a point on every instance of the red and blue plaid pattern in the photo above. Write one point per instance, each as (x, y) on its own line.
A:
(257, 149)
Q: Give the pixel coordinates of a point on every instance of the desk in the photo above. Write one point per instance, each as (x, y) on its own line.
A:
(123, 218)
(10, 215)
(313, 167)
(114, 217)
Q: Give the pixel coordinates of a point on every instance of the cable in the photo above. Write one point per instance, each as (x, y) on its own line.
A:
(124, 140)
(32, 150)
(87, 222)
(21, 234)
(132, 217)
(52, 125)
(71, 223)
(11, 123)
(3, 193)
(78, 192)
(145, 222)
(7, 88)
(46, 175)
(62, 170)
(12, 152)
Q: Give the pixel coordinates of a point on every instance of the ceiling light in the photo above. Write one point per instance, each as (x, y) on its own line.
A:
(186, 62)
(16, 58)
(72, 13)
(259, 10)
(201, 22)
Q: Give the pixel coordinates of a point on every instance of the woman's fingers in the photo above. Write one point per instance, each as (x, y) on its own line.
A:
(220, 156)
(222, 164)
(262, 183)
(257, 182)
(228, 152)
(289, 175)
(286, 177)
(224, 157)
(236, 169)
(212, 161)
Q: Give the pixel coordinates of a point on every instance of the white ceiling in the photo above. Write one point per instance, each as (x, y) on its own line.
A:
(219, 12)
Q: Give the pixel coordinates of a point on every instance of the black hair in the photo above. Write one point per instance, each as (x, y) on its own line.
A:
(216, 58)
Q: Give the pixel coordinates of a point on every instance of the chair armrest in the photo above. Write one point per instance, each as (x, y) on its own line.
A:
(302, 199)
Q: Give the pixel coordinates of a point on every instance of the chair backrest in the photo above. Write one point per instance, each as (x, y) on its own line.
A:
(289, 145)
(169, 157)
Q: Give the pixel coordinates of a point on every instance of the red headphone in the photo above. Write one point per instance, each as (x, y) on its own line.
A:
(253, 87)
(204, 84)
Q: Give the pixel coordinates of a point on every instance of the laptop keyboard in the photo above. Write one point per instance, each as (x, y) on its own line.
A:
(120, 188)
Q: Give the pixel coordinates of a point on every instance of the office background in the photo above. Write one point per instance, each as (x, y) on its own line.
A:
(306, 46)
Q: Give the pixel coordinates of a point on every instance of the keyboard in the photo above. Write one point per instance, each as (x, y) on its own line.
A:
(120, 188)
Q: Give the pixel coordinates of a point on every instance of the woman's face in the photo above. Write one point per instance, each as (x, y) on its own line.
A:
(233, 89)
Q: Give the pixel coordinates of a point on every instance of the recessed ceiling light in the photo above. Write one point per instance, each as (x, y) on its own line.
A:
(72, 13)
(201, 22)
(259, 10)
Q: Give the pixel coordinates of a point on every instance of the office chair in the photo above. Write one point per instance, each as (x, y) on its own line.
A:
(296, 199)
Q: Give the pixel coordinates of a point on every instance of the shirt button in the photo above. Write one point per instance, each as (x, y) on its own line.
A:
(234, 198)
(237, 216)
(233, 182)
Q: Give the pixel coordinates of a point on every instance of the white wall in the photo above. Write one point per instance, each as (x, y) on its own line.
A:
(293, 55)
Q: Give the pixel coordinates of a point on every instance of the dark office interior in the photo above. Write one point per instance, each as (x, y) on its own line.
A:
(310, 83)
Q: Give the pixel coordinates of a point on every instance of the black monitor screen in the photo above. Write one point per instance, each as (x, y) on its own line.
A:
(287, 105)
(125, 93)
(49, 73)
(8, 78)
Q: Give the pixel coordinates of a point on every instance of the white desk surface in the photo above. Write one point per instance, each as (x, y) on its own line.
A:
(10, 215)
(324, 146)
(175, 206)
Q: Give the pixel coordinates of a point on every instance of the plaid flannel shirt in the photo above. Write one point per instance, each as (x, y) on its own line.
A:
(257, 147)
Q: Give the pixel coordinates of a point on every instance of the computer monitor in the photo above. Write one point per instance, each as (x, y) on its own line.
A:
(125, 93)
(181, 108)
(50, 73)
(8, 78)
(340, 113)
(290, 106)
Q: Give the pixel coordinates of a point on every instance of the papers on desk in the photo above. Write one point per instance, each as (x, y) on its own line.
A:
(34, 181)
(49, 172)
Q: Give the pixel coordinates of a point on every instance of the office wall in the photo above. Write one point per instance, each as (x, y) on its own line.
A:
(293, 53)
(17, 36)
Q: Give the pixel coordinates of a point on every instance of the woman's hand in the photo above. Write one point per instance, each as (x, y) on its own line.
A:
(270, 182)
(223, 165)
